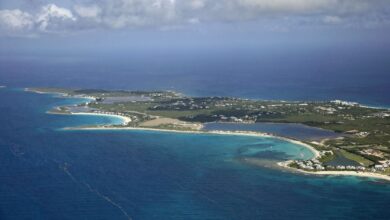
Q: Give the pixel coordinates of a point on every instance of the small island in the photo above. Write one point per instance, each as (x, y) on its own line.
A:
(363, 133)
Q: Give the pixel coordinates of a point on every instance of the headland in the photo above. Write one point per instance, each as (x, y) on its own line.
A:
(363, 138)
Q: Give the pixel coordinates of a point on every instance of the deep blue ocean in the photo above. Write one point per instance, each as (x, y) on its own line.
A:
(327, 73)
(49, 173)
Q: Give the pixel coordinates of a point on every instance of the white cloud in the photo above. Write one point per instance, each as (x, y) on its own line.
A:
(197, 4)
(53, 17)
(92, 11)
(119, 14)
(15, 20)
(133, 13)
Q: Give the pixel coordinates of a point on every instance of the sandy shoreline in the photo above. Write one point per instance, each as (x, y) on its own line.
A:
(171, 121)
(284, 164)
(125, 120)
(239, 133)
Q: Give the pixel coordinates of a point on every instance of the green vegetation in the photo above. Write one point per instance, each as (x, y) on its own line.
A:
(327, 157)
(386, 171)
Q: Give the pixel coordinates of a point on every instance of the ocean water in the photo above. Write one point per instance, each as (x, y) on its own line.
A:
(49, 173)
(354, 74)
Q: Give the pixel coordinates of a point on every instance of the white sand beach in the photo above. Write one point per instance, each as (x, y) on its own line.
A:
(240, 133)
(163, 121)
(125, 120)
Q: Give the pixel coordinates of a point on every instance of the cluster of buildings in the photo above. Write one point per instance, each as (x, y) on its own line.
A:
(243, 119)
(313, 164)
(384, 164)
(316, 165)
(346, 103)
(381, 115)
(373, 152)
(358, 133)
(326, 110)
(108, 113)
(348, 167)
(165, 95)
(183, 104)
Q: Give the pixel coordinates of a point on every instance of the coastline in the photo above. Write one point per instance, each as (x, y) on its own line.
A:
(315, 152)
(60, 94)
(125, 120)
(54, 93)
(285, 164)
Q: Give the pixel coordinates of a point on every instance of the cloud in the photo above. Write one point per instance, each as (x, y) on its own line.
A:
(53, 17)
(120, 14)
(197, 4)
(15, 20)
(91, 11)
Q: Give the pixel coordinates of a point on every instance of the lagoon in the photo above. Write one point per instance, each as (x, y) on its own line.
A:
(290, 130)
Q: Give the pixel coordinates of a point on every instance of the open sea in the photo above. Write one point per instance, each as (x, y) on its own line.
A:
(49, 173)
(352, 74)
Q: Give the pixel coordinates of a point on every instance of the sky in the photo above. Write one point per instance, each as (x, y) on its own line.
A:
(52, 26)
(231, 42)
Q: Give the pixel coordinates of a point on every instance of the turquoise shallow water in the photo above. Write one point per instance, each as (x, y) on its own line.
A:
(48, 173)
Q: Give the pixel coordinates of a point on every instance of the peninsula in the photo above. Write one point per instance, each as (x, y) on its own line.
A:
(363, 133)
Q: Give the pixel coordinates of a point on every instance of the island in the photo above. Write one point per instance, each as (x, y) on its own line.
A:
(363, 133)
